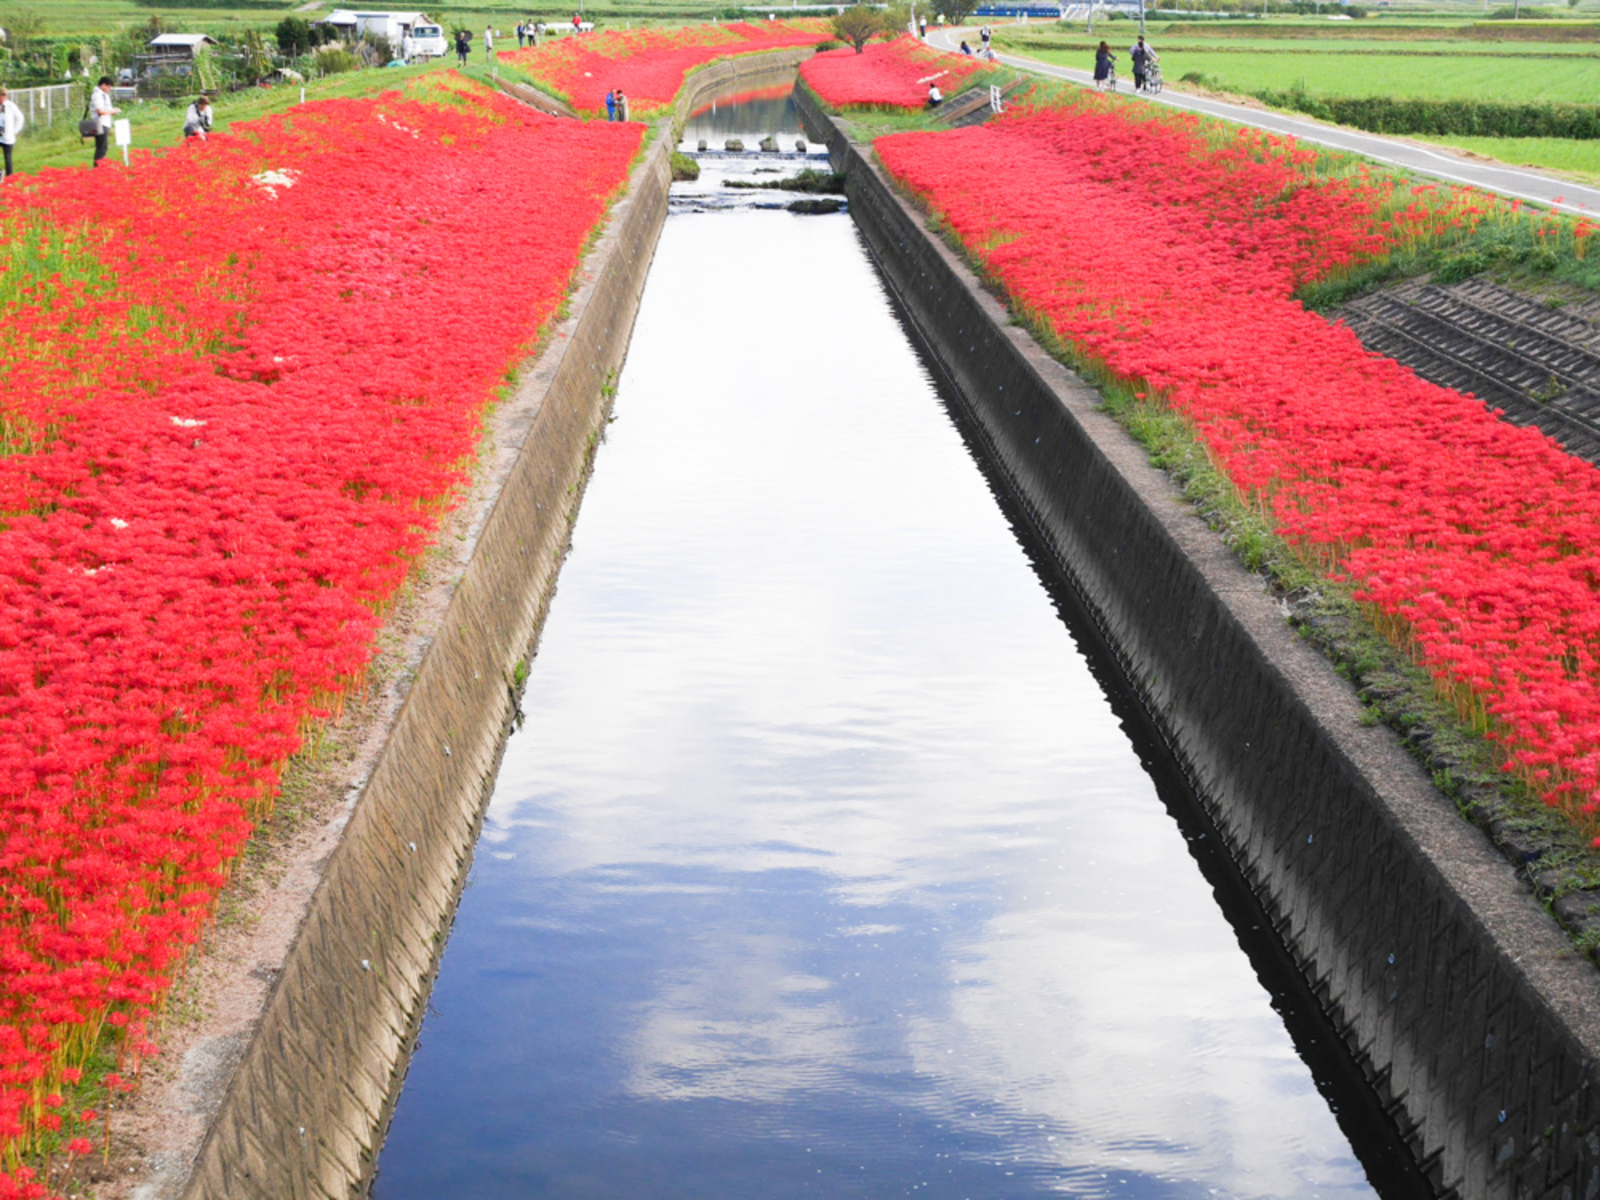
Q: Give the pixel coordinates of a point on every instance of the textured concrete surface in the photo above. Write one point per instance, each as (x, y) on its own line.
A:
(304, 1113)
(1466, 1007)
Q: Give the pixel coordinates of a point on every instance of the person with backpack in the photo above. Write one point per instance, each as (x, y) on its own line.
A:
(101, 111)
(463, 46)
(11, 123)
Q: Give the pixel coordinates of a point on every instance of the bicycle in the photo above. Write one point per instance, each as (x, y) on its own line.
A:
(1152, 79)
(1109, 83)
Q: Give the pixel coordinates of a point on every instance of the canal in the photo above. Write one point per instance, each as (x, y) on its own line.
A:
(823, 863)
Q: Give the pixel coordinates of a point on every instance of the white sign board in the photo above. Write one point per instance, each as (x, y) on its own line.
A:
(122, 131)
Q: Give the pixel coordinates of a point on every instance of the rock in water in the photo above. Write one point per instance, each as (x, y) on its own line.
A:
(813, 208)
(702, 146)
(733, 145)
(800, 146)
(769, 145)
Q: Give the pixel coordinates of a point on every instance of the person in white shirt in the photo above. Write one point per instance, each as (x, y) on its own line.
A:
(488, 42)
(102, 110)
(11, 123)
(935, 96)
(197, 121)
(405, 48)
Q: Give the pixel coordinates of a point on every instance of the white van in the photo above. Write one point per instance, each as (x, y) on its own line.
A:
(427, 41)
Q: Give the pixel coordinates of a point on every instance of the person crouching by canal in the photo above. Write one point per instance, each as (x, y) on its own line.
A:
(102, 110)
(935, 96)
(11, 123)
(197, 121)
(611, 106)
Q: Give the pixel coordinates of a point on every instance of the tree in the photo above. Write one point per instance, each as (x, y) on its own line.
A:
(294, 36)
(957, 11)
(857, 25)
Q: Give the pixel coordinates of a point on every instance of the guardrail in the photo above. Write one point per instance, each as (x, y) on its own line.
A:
(43, 106)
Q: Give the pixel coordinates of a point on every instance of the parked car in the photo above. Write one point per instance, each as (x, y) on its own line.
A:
(428, 41)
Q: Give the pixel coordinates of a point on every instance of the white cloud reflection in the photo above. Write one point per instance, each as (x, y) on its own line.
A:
(797, 637)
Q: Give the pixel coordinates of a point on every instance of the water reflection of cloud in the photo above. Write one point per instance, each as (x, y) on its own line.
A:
(884, 712)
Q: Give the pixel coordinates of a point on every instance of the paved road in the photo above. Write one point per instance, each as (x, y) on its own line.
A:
(1516, 182)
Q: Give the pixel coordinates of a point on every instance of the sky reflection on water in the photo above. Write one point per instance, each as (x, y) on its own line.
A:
(821, 866)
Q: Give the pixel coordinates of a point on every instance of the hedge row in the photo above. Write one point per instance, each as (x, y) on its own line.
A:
(1384, 114)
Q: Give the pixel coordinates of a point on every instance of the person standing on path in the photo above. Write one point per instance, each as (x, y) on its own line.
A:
(405, 48)
(1142, 56)
(11, 123)
(622, 106)
(611, 106)
(488, 43)
(102, 110)
(1103, 58)
(985, 35)
(463, 46)
(922, 28)
(522, 35)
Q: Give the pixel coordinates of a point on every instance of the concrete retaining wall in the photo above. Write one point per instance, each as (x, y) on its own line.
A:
(1467, 1009)
(306, 1108)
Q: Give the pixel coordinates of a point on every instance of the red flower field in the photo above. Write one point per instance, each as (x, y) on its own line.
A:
(243, 379)
(1167, 255)
(885, 74)
(648, 64)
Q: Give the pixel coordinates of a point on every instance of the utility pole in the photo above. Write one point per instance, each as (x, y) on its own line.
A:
(1141, 18)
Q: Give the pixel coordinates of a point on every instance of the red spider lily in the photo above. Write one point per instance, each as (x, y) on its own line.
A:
(884, 75)
(1166, 254)
(649, 64)
(213, 478)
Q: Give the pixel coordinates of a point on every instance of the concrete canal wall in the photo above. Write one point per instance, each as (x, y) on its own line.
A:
(306, 1108)
(1471, 1015)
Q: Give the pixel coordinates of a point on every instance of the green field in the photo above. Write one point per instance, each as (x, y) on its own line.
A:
(1580, 159)
(1435, 70)
(98, 17)
(1514, 79)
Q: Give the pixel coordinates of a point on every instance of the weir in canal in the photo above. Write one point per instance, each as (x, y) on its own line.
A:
(823, 863)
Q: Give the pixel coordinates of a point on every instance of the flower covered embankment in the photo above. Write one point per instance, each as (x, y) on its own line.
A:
(247, 376)
(649, 65)
(1167, 256)
(885, 74)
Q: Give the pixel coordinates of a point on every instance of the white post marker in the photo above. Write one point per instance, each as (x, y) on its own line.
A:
(302, 94)
(995, 104)
(122, 131)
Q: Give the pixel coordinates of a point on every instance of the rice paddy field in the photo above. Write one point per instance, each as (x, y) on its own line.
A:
(1435, 69)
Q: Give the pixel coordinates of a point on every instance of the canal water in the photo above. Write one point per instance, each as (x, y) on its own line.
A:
(822, 864)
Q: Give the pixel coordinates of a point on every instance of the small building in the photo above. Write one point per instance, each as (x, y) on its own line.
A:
(352, 23)
(177, 48)
(171, 55)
